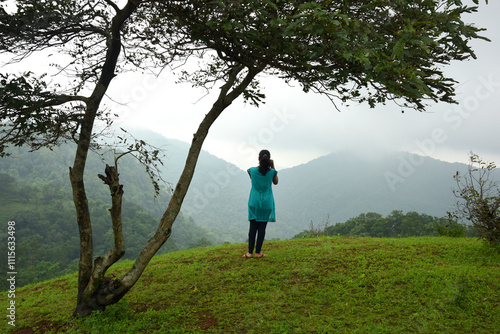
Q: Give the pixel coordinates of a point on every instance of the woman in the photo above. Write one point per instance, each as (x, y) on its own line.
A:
(261, 202)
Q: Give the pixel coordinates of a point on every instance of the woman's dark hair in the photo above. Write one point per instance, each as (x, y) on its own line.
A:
(264, 161)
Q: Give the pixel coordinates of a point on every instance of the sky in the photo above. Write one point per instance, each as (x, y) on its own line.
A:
(298, 127)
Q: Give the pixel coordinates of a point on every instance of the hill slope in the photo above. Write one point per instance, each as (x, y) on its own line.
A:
(326, 285)
(332, 188)
(35, 194)
(340, 186)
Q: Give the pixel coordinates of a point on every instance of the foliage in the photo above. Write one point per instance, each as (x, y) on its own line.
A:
(451, 229)
(314, 232)
(47, 236)
(367, 51)
(326, 285)
(478, 192)
(397, 224)
(463, 290)
(370, 51)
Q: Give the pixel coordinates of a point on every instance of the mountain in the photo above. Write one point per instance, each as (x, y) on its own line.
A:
(218, 193)
(331, 188)
(35, 192)
(342, 185)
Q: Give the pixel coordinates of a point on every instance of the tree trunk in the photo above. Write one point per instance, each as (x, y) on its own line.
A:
(86, 270)
(102, 291)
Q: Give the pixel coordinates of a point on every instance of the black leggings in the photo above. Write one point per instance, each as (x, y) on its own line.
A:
(255, 227)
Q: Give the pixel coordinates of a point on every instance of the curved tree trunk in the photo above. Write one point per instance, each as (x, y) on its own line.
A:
(100, 290)
(85, 267)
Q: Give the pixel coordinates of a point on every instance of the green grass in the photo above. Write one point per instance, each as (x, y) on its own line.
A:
(321, 285)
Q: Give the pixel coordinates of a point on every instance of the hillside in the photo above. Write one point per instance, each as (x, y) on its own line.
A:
(332, 189)
(35, 193)
(340, 186)
(218, 194)
(325, 285)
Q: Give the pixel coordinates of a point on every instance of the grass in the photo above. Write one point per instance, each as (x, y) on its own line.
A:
(320, 285)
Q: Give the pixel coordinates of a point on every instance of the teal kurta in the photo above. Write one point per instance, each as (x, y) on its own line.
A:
(261, 200)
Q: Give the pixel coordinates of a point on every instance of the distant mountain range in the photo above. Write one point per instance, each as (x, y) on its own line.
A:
(339, 186)
(331, 189)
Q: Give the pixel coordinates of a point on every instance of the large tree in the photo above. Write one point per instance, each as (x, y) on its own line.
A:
(478, 194)
(364, 50)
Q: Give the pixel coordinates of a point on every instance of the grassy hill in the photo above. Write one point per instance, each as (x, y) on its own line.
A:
(320, 285)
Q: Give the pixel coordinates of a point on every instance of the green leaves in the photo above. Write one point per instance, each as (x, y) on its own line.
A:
(33, 115)
(478, 198)
(365, 51)
(386, 49)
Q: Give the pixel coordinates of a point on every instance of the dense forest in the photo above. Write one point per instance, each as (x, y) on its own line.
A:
(395, 225)
(35, 194)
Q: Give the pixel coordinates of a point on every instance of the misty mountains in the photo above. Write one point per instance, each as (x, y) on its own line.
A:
(329, 189)
(340, 186)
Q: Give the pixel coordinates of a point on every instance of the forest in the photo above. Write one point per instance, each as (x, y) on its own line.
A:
(34, 194)
(395, 225)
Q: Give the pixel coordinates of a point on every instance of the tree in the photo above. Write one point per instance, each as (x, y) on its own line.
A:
(478, 194)
(394, 225)
(366, 51)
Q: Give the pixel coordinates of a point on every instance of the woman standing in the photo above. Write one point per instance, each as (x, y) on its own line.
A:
(261, 202)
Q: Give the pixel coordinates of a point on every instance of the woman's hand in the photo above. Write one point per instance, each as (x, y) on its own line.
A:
(275, 179)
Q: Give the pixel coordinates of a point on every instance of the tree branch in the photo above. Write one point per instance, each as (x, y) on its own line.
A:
(112, 4)
(225, 98)
(112, 180)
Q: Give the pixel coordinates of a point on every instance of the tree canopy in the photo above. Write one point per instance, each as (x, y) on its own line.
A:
(478, 198)
(369, 51)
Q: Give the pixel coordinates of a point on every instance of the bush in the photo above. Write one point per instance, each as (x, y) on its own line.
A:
(479, 199)
(451, 229)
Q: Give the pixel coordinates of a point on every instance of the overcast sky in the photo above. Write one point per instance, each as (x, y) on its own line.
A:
(298, 127)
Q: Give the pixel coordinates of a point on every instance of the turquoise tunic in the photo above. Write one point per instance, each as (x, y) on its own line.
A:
(261, 200)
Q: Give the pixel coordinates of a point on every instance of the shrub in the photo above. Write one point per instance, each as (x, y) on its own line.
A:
(479, 199)
(451, 229)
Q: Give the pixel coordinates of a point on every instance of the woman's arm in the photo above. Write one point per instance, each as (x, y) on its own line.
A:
(275, 179)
